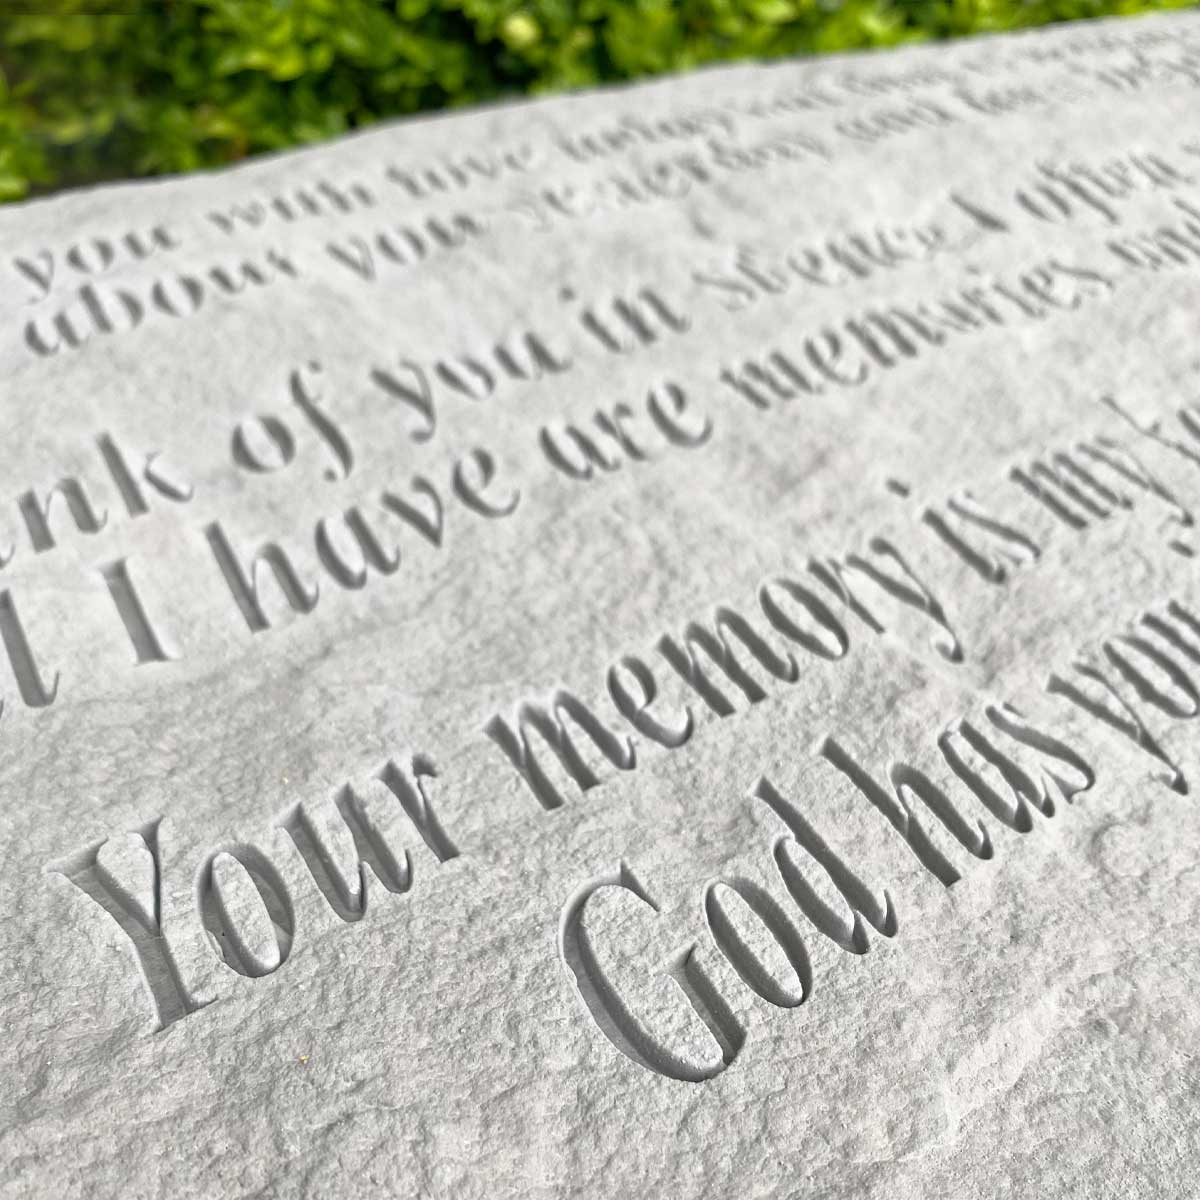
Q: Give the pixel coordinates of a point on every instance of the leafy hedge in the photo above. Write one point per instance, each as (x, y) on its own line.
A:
(109, 89)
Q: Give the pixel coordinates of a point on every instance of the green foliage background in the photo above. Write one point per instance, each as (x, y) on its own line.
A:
(104, 89)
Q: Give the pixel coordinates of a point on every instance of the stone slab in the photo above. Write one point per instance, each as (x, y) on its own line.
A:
(644, 643)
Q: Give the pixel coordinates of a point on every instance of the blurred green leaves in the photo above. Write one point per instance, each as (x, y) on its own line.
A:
(97, 89)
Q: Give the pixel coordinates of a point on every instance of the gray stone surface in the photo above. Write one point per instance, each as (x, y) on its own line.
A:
(885, 369)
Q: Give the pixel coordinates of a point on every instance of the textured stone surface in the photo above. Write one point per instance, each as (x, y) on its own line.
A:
(815, 305)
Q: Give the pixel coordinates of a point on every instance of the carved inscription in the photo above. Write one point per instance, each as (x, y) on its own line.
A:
(522, 350)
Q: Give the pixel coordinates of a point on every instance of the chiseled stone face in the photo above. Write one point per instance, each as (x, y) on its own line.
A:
(638, 644)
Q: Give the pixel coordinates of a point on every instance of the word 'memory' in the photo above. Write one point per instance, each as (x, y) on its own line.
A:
(730, 655)
(240, 892)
